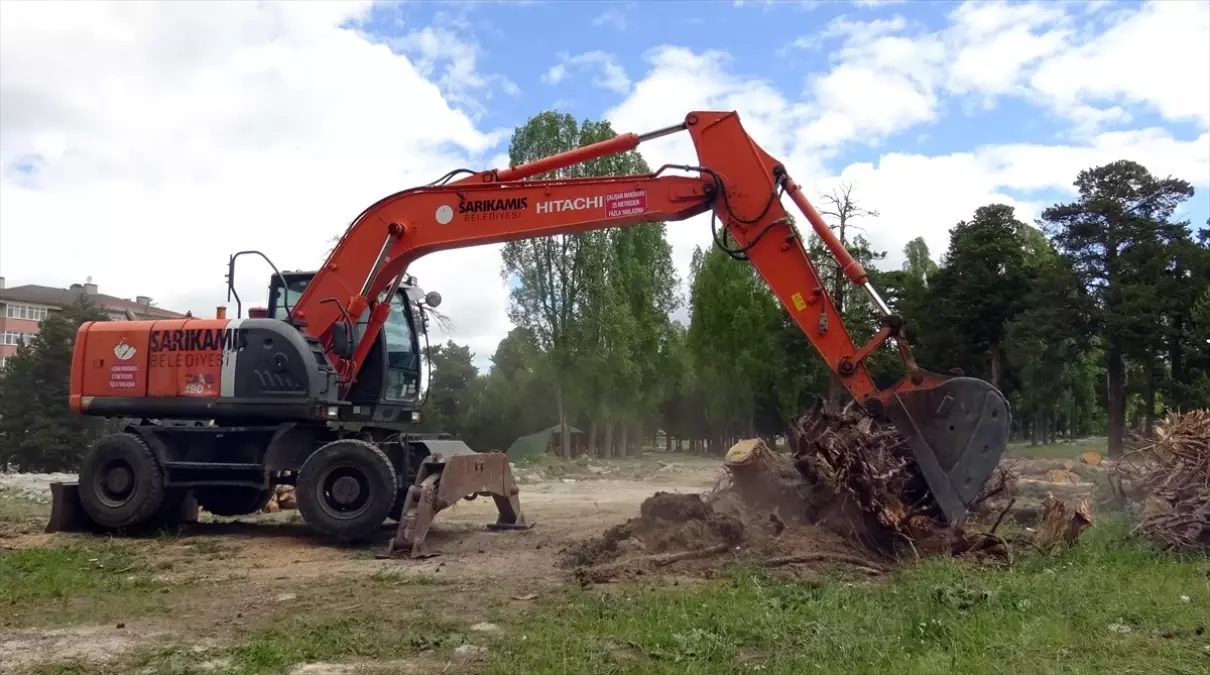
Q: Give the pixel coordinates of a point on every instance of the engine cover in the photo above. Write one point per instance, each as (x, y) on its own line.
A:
(199, 369)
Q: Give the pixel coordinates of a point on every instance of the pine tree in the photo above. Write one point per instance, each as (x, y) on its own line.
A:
(38, 432)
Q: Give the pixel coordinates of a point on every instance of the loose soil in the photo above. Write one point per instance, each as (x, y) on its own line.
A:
(848, 492)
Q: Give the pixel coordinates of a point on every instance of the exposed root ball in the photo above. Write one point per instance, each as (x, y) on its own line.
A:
(848, 493)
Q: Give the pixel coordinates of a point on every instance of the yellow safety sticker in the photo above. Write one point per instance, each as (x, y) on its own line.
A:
(799, 303)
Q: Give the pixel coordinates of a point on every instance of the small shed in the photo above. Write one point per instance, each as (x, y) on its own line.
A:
(549, 439)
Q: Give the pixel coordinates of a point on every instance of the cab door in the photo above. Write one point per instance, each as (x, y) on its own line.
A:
(399, 350)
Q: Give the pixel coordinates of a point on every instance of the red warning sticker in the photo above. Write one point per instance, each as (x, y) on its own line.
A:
(623, 204)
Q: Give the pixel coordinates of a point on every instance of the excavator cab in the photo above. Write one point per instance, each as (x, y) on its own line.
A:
(390, 378)
(437, 470)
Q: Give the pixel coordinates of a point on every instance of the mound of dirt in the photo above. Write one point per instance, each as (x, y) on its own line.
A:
(848, 492)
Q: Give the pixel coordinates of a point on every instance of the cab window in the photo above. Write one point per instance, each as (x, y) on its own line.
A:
(398, 330)
(294, 291)
(402, 362)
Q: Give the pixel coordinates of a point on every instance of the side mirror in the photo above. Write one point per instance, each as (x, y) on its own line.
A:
(341, 344)
(433, 299)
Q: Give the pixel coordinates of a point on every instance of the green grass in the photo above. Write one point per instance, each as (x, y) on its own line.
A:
(1057, 450)
(1108, 605)
(95, 581)
(379, 618)
(1047, 614)
(350, 637)
(17, 511)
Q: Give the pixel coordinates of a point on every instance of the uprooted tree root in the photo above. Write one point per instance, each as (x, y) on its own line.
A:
(849, 493)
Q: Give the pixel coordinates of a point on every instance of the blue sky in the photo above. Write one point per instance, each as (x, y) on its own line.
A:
(782, 43)
(128, 127)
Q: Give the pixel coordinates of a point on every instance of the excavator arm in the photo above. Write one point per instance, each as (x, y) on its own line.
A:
(956, 426)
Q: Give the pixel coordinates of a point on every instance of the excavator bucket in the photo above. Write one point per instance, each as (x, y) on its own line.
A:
(957, 428)
(453, 471)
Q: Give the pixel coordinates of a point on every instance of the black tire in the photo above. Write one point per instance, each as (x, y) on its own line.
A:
(333, 505)
(121, 483)
(226, 500)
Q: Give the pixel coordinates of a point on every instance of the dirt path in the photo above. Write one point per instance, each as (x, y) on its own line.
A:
(229, 576)
(278, 547)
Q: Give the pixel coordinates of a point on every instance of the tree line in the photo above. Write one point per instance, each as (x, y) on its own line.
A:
(1093, 320)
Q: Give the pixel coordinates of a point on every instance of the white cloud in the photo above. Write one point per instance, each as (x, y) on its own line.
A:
(1157, 56)
(916, 195)
(168, 136)
(442, 55)
(843, 27)
(610, 75)
(881, 84)
(890, 74)
(613, 17)
(165, 137)
(556, 74)
(924, 196)
(993, 43)
(681, 81)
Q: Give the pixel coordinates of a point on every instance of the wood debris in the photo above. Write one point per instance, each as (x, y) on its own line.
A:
(850, 457)
(1171, 476)
(283, 499)
(1057, 528)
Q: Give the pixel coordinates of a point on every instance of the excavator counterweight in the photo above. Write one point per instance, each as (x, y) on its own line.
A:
(322, 387)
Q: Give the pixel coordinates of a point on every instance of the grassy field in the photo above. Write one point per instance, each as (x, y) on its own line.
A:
(1108, 606)
(268, 601)
(1063, 450)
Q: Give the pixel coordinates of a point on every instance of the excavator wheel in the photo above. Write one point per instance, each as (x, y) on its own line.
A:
(957, 429)
(222, 500)
(346, 489)
(121, 484)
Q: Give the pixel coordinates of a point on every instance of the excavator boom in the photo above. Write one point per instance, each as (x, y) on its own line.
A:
(956, 426)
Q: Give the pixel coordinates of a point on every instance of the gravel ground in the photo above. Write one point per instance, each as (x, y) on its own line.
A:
(32, 486)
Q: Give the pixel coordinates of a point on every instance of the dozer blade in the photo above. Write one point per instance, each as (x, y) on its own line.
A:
(451, 472)
(67, 514)
(958, 431)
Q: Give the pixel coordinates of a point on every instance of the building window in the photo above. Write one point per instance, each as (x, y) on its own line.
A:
(14, 338)
(28, 312)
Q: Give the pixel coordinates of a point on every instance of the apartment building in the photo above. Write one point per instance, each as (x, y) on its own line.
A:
(22, 307)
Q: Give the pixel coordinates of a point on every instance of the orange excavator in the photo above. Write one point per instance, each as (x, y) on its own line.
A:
(322, 388)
